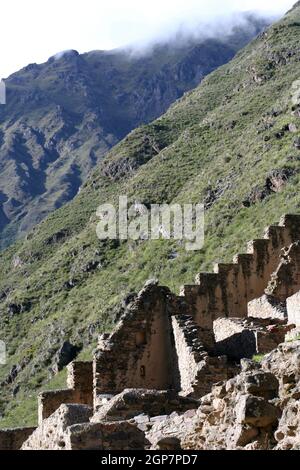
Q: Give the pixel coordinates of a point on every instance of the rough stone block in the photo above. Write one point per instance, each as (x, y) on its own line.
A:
(240, 339)
(288, 432)
(267, 307)
(293, 309)
(106, 436)
(256, 411)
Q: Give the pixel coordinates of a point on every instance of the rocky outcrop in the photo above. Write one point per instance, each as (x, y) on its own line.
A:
(288, 432)
(66, 354)
(238, 413)
(274, 183)
(284, 362)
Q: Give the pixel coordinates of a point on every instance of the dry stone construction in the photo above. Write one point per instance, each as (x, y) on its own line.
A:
(177, 371)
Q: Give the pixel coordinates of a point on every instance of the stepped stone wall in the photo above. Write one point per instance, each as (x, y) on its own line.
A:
(227, 291)
(168, 352)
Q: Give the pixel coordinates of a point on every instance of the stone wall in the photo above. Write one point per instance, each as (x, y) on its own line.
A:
(122, 435)
(227, 291)
(224, 293)
(243, 338)
(285, 281)
(13, 439)
(147, 358)
(51, 433)
(80, 383)
(134, 402)
(267, 306)
(234, 339)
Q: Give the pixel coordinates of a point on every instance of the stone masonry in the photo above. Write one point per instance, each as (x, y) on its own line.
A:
(169, 351)
(80, 390)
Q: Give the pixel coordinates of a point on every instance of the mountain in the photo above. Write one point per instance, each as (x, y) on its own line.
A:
(233, 143)
(63, 116)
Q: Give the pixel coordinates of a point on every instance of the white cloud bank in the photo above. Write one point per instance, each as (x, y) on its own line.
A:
(33, 30)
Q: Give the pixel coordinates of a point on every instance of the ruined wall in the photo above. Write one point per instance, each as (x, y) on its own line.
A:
(190, 351)
(13, 439)
(285, 281)
(80, 383)
(167, 342)
(267, 306)
(147, 356)
(227, 291)
(51, 433)
(198, 371)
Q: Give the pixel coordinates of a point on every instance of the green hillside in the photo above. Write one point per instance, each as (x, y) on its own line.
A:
(64, 115)
(234, 143)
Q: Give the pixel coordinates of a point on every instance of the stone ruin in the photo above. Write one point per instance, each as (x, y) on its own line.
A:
(175, 363)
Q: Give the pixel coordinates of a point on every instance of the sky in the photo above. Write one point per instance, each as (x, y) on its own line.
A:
(33, 30)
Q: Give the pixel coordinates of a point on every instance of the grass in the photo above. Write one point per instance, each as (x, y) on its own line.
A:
(258, 358)
(22, 410)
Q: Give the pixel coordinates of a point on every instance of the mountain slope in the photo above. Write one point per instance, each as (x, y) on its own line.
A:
(233, 143)
(63, 116)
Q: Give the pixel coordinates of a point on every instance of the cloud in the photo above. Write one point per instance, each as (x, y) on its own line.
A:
(137, 21)
(32, 31)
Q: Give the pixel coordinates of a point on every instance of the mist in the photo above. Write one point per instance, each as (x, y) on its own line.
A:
(33, 31)
(219, 27)
(141, 27)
